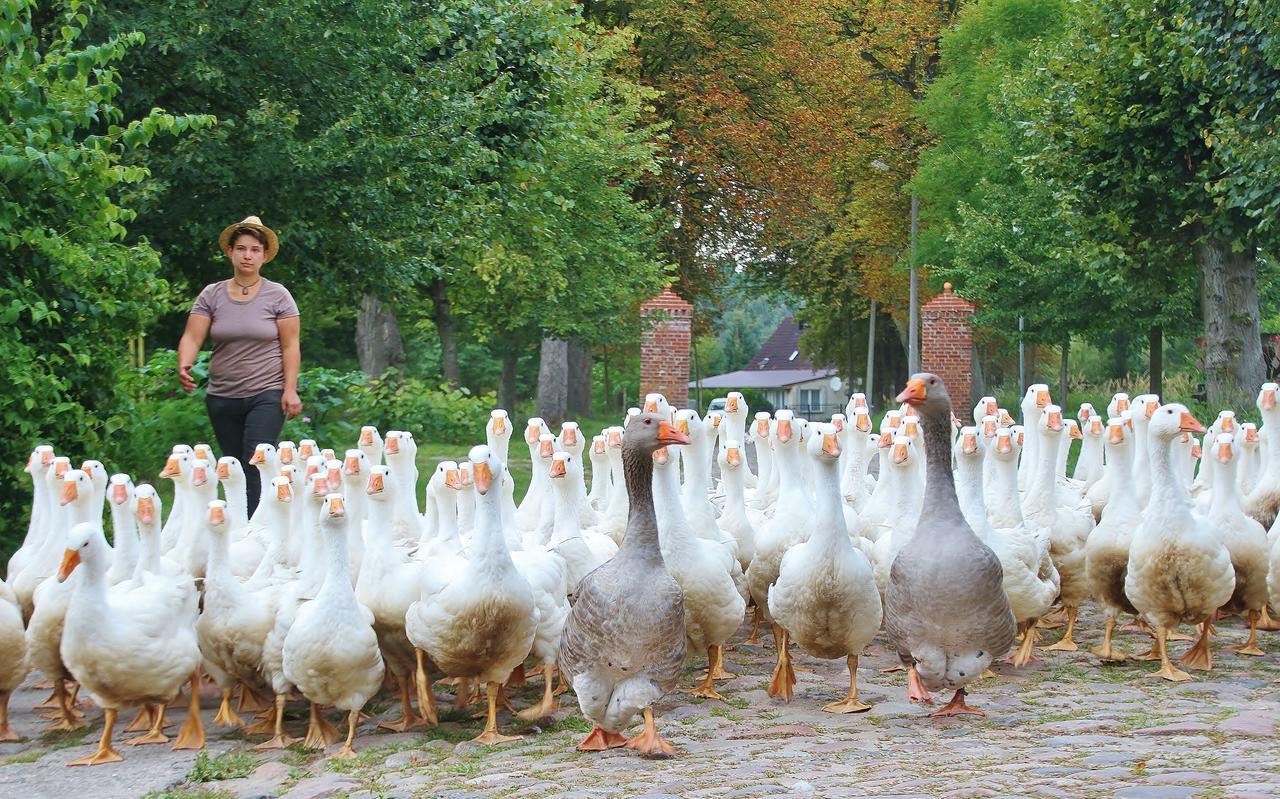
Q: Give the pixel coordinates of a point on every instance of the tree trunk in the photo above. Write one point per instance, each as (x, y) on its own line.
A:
(553, 381)
(1120, 354)
(1233, 364)
(1062, 373)
(579, 381)
(378, 343)
(442, 315)
(608, 385)
(1156, 360)
(1029, 362)
(507, 381)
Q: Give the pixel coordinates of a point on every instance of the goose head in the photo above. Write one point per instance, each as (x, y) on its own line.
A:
(370, 443)
(713, 421)
(730, 457)
(1144, 407)
(200, 473)
(1267, 398)
(380, 484)
(900, 452)
(1225, 423)
(1006, 418)
(1084, 413)
(631, 414)
(76, 488)
(650, 432)
(862, 420)
(216, 518)
(735, 405)
(1035, 400)
(281, 491)
(560, 465)
(499, 425)
(1248, 436)
(86, 544)
(203, 451)
(307, 447)
(355, 465)
(657, 403)
(856, 401)
(1224, 448)
(1168, 422)
(1005, 448)
(599, 445)
(333, 473)
(1118, 434)
(1118, 405)
(265, 458)
(824, 443)
(613, 440)
(121, 490)
(987, 406)
(785, 430)
(445, 479)
(839, 421)
(533, 430)
(891, 421)
(763, 427)
(40, 460)
(546, 447)
(97, 473)
(333, 513)
(288, 453)
(969, 447)
(1073, 429)
(1095, 428)
(570, 438)
(927, 393)
(329, 453)
(687, 422)
(988, 426)
(229, 471)
(147, 507)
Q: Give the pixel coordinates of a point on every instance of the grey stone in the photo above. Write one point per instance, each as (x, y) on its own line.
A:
(321, 787)
(1107, 758)
(1181, 728)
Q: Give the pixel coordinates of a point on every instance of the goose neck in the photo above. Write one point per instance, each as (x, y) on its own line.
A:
(939, 482)
(1167, 493)
(488, 552)
(640, 541)
(673, 526)
(337, 569)
(829, 517)
(237, 502)
(1224, 499)
(1005, 487)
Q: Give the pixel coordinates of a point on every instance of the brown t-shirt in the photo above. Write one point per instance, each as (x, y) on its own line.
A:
(246, 341)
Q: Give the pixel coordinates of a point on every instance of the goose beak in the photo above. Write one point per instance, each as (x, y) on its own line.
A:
(1042, 399)
(464, 475)
(762, 428)
(284, 493)
(838, 423)
(483, 476)
(334, 477)
(198, 476)
(1006, 419)
(968, 443)
(989, 428)
(668, 434)
(320, 487)
(732, 456)
(683, 426)
(223, 471)
(885, 440)
(531, 434)
(119, 493)
(1115, 433)
(546, 448)
(451, 479)
(558, 468)
(731, 405)
(375, 485)
(336, 508)
(615, 439)
(393, 446)
(1268, 400)
(1075, 432)
(366, 437)
(311, 469)
(569, 436)
(47, 457)
(1228, 424)
(69, 492)
(499, 425)
(306, 451)
(992, 407)
(1054, 420)
(895, 421)
(70, 560)
(910, 428)
(1150, 410)
(259, 458)
(1095, 425)
(1190, 424)
(830, 445)
(1224, 452)
(1251, 434)
(351, 465)
(1004, 445)
(1085, 413)
(217, 515)
(862, 423)
(597, 446)
(784, 431)
(650, 406)
(715, 421)
(171, 468)
(146, 509)
(661, 455)
(286, 456)
(1122, 405)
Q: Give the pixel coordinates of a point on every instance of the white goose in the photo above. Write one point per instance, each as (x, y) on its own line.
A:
(529, 511)
(613, 522)
(42, 506)
(600, 478)
(1244, 538)
(124, 529)
(13, 656)
(1107, 550)
(583, 551)
(697, 458)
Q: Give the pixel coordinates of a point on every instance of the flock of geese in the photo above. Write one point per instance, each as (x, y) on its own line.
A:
(339, 583)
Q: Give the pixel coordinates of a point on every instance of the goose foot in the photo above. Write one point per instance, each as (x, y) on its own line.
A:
(346, 752)
(1167, 670)
(320, 731)
(649, 743)
(422, 684)
(6, 732)
(142, 721)
(51, 701)
(154, 735)
(1174, 635)
(850, 703)
(1066, 644)
(1054, 620)
(1199, 655)
(1107, 649)
(600, 739)
(491, 734)
(227, 717)
(916, 692)
(1268, 623)
(518, 678)
(892, 669)
(1250, 647)
(251, 701)
(1027, 649)
(784, 676)
(68, 717)
(957, 707)
(279, 740)
(408, 719)
(191, 733)
(105, 753)
(546, 707)
(716, 664)
(753, 639)
(561, 686)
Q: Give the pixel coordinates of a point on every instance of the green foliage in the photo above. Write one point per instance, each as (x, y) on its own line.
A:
(72, 290)
(226, 766)
(441, 414)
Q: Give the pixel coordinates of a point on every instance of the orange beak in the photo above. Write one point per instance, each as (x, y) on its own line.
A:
(366, 437)
(899, 453)
(683, 426)
(198, 476)
(217, 515)
(894, 421)
(1195, 452)
(1054, 421)
(1268, 399)
(311, 469)
(119, 493)
(830, 445)
(1085, 413)
(615, 439)
(715, 421)
(1042, 399)
(1224, 452)
(597, 445)
(885, 440)
(69, 492)
(862, 422)
(784, 430)
(992, 407)
(1006, 420)
(989, 428)
(337, 509)
(259, 458)
(1228, 424)
(306, 451)
(483, 475)
(651, 406)
(558, 468)
(570, 436)
(499, 425)
(284, 493)
(668, 434)
(531, 434)
(1004, 444)
(70, 560)
(968, 443)
(1095, 425)
(451, 478)
(1151, 409)
(859, 402)
(393, 446)
(731, 405)
(1251, 434)
(47, 456)
(223, 471)
(375, 485)
(146, 509)
(1190, 424)
(171, 468)
(1115, 433)
(286, 456)
(762, 428)
(464, 474)
(838, 423)
(1075, 432)
(910, 428)
(546, 448)
(320, 487)
(351, 465)
(661, 455)
(334, 477)
(732, 456)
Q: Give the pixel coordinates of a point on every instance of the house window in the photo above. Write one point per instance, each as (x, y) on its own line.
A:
(810, 399)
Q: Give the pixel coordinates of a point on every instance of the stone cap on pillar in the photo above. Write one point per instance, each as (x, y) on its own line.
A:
(667, 300)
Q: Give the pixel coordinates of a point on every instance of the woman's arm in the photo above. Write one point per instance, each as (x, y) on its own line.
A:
(189, 347)
(291, 351)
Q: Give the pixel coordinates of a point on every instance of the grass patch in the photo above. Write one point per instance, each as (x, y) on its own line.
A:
(570, 724)
(737, 702)
(725, 713)
(189, 793)
(226, 766)
(64, 739)
(29, 756)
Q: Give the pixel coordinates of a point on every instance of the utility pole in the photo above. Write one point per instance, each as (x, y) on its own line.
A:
(871, 359)
(913, 337)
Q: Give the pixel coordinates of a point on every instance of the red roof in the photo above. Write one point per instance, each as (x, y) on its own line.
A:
(781, 350)
(668, 300)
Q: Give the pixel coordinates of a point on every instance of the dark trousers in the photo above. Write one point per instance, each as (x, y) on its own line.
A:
(241, 424)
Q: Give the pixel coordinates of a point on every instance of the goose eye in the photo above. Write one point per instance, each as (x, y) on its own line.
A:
(979, 653)
(962, 674)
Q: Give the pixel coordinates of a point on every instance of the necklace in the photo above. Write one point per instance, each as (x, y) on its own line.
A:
(244, 290)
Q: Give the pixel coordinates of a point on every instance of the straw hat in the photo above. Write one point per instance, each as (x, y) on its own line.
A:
(254, 223)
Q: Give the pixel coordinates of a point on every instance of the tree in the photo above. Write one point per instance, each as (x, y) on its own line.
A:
(1128, 121)
(73, 292)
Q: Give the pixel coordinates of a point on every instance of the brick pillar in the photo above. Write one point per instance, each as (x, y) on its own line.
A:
(946, 346)
(664, 347)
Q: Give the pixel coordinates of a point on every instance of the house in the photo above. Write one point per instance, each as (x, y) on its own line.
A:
(787, 378)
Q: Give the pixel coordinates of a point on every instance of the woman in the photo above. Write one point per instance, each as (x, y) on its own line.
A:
(253, 374)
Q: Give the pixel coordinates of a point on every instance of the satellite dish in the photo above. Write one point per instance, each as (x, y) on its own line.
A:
(835, 383)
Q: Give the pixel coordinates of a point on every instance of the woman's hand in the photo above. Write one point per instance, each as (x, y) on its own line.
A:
(290, 403)
(184, 377)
